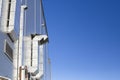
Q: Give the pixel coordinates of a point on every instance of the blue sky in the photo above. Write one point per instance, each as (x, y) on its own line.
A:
(84, 39)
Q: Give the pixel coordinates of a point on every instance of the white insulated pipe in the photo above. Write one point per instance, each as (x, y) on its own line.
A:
(15, 61)
(40, 64)
(22, 73)
(7, 15)
(35, 42)
(11, 16)
(38, 60)
(27, 51)
(23, 7)
(20, 53)
(4, 15)
(0, 7)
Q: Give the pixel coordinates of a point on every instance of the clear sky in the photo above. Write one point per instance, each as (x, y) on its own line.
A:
(84, 39)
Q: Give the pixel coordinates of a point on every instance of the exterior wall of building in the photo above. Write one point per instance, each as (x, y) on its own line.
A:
(6, 65)
(34, 51)
(10, 11)
(47, 64)
(17, 16)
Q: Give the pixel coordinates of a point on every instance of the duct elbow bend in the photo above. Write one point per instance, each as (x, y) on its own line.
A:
(41, 39)
(24, 7)
(38, 76)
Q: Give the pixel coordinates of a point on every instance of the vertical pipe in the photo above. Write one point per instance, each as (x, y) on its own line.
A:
(35, 53)
(21, 35)
(15, 61)
(0, 7)
(22, 73)
(23, 7)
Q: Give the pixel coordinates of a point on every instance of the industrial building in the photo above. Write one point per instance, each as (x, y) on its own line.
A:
(23, 41)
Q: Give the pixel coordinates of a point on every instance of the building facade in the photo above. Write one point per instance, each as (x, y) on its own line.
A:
(23, 53)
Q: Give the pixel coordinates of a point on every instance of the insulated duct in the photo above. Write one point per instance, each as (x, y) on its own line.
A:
(37, 40)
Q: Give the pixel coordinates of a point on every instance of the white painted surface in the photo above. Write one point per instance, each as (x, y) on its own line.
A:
(4, 13)
(0, 7)
(15, 61)
(22, 73)
(27, 51)
(35, 53)
(21, 35)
